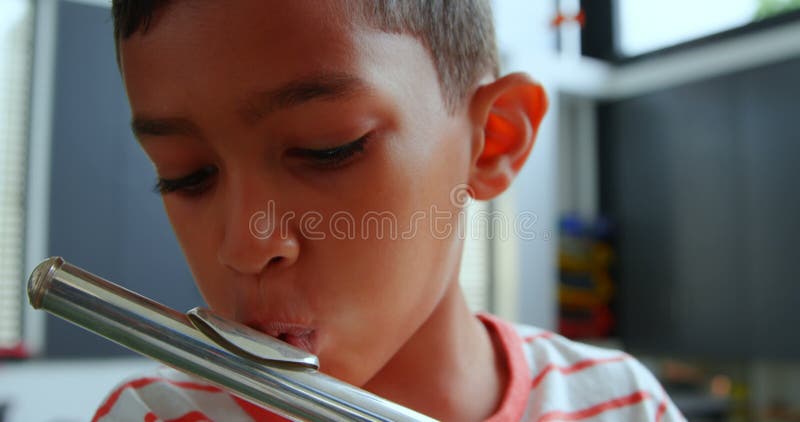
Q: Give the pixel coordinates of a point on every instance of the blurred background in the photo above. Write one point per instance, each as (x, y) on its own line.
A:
(663, 185)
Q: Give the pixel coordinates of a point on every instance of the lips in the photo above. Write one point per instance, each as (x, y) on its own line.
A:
(297, 335)
(303, 341)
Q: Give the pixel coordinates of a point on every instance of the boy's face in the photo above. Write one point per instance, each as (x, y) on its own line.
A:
(261, 94)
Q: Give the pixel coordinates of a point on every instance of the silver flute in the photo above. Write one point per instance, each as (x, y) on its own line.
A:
(225, 353)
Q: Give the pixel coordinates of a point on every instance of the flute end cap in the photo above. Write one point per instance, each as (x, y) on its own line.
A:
(40, 279)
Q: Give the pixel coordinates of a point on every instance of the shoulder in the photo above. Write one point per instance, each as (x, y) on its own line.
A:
(570, 379)
(166, 394)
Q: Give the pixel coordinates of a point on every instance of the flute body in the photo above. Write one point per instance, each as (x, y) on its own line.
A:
(234, 357)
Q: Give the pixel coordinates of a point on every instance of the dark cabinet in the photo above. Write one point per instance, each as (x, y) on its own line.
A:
(703, 180)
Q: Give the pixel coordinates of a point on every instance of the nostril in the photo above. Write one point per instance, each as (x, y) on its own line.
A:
(275, 261)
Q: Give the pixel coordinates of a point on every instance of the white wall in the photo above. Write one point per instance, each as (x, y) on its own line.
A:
(527, 43)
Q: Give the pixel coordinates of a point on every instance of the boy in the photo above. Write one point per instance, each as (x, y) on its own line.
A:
(349, 108)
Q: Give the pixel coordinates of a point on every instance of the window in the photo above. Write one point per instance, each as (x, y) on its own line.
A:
(16, 25)
(645, 26)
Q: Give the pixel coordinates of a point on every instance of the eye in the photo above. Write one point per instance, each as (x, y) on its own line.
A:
(331, 158)
(192, 184)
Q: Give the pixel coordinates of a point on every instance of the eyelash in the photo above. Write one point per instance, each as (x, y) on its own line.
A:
(190, 185)
(333, 158)
(198, 182)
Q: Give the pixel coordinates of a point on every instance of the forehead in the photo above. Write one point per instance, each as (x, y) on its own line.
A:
(200, 43)
(228, 32)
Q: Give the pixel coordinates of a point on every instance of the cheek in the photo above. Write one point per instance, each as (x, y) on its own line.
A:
(398, 279)
(195, 232)
(192, 236)
(428, 258)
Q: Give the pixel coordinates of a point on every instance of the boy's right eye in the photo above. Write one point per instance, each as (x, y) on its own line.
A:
(192, 184)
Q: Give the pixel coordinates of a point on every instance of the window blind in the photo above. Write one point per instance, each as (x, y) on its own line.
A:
(476, 265)
(16, 30)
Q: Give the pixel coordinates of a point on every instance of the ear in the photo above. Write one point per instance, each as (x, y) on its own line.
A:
(506, 114)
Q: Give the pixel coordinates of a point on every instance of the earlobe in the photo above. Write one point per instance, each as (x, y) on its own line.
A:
(509, 111)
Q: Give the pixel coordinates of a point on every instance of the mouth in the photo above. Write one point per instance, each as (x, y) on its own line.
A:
(297, 335)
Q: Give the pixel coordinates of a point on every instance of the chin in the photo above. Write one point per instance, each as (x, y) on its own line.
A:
(350, 372)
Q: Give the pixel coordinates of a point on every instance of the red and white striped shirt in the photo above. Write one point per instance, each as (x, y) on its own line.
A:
(551, 379)
(556, 379)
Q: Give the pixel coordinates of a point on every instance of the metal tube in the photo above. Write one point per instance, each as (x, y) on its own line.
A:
(168, 336)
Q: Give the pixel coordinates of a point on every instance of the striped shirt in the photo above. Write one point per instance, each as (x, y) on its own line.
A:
(551, 379)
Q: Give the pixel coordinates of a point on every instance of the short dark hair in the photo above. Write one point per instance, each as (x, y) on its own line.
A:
(459, 34)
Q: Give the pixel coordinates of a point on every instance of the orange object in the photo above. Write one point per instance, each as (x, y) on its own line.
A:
(560, 19)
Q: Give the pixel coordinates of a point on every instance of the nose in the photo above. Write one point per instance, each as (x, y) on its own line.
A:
(256, 239)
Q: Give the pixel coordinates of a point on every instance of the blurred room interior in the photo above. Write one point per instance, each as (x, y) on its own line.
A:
(662, 193)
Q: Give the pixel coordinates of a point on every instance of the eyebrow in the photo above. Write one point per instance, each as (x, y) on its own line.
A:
(144, 126)
(322, 86)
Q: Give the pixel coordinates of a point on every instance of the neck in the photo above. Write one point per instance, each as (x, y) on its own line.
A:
(449, 369)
